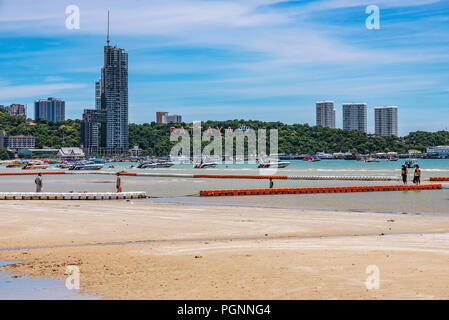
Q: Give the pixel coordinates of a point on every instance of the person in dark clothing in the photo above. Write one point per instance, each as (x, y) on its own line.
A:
(417, 175)
(118, 184)
(271, 183)
(404, 174)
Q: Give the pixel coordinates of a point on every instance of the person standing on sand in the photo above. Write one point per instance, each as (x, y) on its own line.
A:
(118, 184)
(404, 174)
(417, 175)
(38, 182)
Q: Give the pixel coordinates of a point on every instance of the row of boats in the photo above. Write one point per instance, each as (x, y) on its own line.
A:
(81, 165)
(97, 165)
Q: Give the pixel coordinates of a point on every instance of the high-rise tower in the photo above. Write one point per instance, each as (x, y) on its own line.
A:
(386, 121)
(354, 117)
(325, 114)
(114, 98)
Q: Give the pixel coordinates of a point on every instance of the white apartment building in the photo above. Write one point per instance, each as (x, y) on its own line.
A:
(355, 117)
(325, 114)
(386, 121)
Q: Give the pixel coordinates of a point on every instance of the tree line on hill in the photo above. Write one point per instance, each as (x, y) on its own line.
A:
(154, 138)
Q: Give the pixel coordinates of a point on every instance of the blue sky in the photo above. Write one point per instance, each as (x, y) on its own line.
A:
(216, 60)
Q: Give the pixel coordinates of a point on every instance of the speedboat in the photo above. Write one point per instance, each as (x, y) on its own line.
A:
(87, 166)
(312, 158)
(35, 166)
(202, 165)
(162, 164)
(65, 165)
(16, 164)
(273, 164)
(371, 159)
(326, 156)
(392, 159)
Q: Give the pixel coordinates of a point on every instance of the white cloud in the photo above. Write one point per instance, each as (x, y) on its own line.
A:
(236, 24)
(27, 91)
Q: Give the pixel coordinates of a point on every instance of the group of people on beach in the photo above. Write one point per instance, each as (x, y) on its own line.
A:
(416, 174)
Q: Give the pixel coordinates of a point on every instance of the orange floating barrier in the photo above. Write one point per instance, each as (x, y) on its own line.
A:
(308, 190)
(30, 173)
(439, 178)
(127, 173)
(239, 176)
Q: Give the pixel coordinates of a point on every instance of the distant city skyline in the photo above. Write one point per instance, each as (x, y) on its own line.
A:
(263, 60)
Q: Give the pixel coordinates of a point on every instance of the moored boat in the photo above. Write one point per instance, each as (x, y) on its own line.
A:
(16, 164)
(371, 159)
(161, 164)
(35, 166)
(273, 164)
(87, 166)
(203, 165)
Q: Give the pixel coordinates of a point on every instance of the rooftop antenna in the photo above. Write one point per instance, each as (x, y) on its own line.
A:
(108, 29)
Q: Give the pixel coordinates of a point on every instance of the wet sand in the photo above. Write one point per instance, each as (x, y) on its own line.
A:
(141, 250)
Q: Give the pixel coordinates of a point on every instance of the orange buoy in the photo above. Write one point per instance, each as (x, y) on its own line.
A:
(308, 190)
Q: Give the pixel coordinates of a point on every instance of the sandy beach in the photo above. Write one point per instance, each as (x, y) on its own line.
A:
(142, 250)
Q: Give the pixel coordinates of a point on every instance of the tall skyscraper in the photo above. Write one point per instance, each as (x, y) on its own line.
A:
(114, 98)
(325, 114)
(52, 109)
(354, 117)
(386, 121)
(111, 106)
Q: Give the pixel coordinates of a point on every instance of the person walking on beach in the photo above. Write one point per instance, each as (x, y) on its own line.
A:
(417, 175)
(271, 183)
(404, 174)
(118, 184)
(38, 182)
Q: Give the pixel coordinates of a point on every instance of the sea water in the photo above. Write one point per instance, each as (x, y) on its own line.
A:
(186, 190)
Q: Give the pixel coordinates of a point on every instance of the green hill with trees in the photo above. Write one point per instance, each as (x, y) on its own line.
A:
(154, 138)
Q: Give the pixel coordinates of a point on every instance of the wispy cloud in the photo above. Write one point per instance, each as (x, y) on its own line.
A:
(26, 91)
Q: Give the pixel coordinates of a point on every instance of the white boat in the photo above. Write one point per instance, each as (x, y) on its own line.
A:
(371, 159)
(162, 164)
(35, 166)
(273, 164)
(87, 166)
(392, 159)
(202, 165)
(326, 156)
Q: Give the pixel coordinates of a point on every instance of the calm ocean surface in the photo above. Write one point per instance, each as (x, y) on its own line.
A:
(183, 190)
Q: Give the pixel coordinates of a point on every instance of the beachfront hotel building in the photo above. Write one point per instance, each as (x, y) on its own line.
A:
(355, 117)
(325, 114)
(15, 143)
(386, 121)
(52, 109)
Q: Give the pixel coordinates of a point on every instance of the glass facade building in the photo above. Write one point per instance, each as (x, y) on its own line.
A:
(52, 109)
